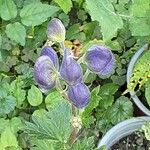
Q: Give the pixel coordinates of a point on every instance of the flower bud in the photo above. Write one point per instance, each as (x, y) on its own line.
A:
(44, 73)
(100, 60)
(49, 51)
(70, 70)
(56, 31)
(79, 95)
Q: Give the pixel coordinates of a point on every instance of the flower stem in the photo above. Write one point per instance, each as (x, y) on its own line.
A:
(74, 132)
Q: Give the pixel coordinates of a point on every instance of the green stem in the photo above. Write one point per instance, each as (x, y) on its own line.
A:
(62, 45)
(86, 74)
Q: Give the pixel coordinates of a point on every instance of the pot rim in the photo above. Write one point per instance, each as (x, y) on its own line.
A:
(131, 65)
(122, 130)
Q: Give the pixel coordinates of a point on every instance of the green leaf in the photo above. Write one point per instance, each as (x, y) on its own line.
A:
(139, 25)
(52, 99)
(121, 110)
(7, 102)
(8, 139)
(106, 92)
(103, 12)
(8, 9)
(95, 98)
(54, 124)
(146, 129)
(17, 91)
(3, 124)
(34, 96)
(16, 32)
(84, 144)
(8, 130)
(36, 13)
(141, 72)
(147, 91)
(46, 144)
(66, 7)
(87, 118)
(74, 32)
(104, 124)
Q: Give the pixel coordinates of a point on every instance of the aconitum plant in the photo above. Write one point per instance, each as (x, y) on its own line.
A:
(49, 51)
(100, 60)
(48, 74)
(70, 70)
(79, 94)
(56, 31)
(45, 73)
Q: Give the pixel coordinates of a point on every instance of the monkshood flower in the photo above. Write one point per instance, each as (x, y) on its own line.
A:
(49, 51)
(79, 95)
(45, 73)
(100, 60)
(56, 31)
(70, 70)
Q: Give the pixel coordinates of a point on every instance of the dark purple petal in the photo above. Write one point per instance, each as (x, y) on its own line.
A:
(49, 51)
(56, 31)
(100, 60)
(79, 95)
(44, 73)
(70, 70)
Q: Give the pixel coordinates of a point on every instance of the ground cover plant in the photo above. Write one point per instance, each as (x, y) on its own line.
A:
(63, 70)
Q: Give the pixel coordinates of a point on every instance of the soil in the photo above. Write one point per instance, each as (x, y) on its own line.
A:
(135, 141)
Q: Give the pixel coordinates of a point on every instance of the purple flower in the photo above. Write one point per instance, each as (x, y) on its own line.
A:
(79, 95)
(70, 70)
(49, 51)
(56, 31)
(45, 73)
(100, 60)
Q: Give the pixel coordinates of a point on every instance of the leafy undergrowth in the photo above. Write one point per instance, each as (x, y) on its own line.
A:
(31, 119)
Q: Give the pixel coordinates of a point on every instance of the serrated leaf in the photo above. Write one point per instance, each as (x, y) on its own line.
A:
(106, 92)
(121, 110)
(147, 91)
(36, 13)
(17, 91)
(8, 9)
(66, 7)
(54, 125)
(103, 12)
(16, 32)
(52, 99)
(8, 139)
(46, 144)
(84, 144)
(139, 22)
(7, 102)
(104, 124)
(34, 96)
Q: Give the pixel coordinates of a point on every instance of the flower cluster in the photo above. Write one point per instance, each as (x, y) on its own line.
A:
(47, 72)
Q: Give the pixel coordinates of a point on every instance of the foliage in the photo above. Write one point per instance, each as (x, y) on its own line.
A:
(31, 119)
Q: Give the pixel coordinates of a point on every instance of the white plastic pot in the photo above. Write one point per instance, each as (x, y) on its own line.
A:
(132, 63)
(122, 130)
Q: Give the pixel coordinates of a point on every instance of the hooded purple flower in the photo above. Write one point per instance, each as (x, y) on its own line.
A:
(49, 51)
(100, 60)
(56, 31)
(79, 95)
(70, 70)
(45, 73)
